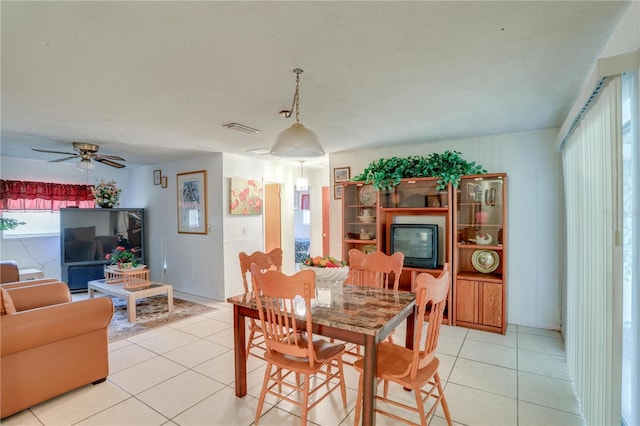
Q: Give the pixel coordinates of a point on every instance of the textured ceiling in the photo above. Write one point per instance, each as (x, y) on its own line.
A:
(153, 81)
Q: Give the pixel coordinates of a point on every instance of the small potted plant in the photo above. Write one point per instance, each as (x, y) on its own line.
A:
(122, 258)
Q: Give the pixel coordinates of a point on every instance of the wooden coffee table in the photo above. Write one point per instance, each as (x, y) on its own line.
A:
(131, 295)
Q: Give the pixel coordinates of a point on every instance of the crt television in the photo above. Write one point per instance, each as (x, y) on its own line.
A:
(88, 235)
(418, 243)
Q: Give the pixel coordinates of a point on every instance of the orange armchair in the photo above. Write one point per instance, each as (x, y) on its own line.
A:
(49, 345)
(9, 271)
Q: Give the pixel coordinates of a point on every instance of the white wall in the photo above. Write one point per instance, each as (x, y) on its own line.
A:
(535, 196)
(191, 263)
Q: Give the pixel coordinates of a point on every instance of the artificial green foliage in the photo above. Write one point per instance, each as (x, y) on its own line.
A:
(448, 167)
(7, 223)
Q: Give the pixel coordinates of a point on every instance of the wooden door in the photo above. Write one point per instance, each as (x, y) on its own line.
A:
(272, 217)
(491, 294)
(466, 301)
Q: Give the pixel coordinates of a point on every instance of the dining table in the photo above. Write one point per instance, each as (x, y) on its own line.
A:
(355, 314)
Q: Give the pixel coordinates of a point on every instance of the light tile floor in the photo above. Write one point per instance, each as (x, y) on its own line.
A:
(182, 374)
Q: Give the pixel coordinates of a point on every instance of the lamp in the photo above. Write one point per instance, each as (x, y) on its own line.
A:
(297, 140)
(84, 165)
(302, 183)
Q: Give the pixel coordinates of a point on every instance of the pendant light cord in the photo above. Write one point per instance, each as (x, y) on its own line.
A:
(296, 99)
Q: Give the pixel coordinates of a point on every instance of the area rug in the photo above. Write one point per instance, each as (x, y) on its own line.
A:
(151, 312)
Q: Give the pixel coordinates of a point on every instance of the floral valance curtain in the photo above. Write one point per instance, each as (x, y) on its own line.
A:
(25, 195)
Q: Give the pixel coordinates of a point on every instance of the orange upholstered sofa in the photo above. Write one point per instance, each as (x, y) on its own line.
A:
(49, 345)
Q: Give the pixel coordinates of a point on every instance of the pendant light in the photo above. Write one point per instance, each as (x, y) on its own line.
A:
(302, 183)
(297, 141)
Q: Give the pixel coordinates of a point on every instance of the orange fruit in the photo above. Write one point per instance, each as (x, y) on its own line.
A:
(316, 260)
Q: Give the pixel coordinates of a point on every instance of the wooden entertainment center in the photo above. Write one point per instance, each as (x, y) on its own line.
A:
(471, 238)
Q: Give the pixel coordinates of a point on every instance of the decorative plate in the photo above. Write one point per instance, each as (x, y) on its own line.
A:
(485, 261)
(368, 195)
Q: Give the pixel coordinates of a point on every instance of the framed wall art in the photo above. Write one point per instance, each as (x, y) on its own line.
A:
(341, 174)
(245, 196)
(164, 181)
(192, 202)
(337, 192)
(157, 177)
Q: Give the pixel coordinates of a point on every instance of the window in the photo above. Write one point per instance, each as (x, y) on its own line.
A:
(35, 206)
(33, 224)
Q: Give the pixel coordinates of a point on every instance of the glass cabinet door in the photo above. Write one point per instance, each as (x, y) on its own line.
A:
(480, 211)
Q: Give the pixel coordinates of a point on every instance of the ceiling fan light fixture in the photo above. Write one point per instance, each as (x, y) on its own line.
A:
(84, 165)
(297, 141)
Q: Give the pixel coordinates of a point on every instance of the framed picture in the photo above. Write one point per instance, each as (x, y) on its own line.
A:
(157, 177)
(337, 192)
(192, 202)
(245, 196)
(474, 192)
(341, 174)
(164, 181)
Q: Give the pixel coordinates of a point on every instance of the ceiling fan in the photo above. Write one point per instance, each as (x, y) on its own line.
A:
(86, 152)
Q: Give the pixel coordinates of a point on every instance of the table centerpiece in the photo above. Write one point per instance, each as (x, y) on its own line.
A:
(328, 269)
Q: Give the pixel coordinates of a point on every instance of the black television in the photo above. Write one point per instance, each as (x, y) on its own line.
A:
(418, 243)
(88, 235)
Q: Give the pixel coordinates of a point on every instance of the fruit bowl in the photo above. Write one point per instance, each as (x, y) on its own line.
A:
(338, 274)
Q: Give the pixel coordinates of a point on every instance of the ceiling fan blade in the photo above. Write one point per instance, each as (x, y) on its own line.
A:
(108, 157)
(110, 163)
(53, 152)
(63, 159)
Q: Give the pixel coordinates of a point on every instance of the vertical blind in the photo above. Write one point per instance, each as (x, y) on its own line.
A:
(631, 251)
(593, 201)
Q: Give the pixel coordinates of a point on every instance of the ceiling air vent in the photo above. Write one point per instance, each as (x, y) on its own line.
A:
(240, 127)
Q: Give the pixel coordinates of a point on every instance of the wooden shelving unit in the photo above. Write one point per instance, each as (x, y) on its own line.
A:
(466, 218)
(412, 201)
(480, 227)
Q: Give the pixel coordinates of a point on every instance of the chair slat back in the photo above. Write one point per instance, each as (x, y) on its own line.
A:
(264, 261)
(282, 314)
(374, 269)
(430, 292)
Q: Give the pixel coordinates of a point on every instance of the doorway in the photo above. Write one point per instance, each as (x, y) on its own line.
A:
(272, 217)
(302, 225)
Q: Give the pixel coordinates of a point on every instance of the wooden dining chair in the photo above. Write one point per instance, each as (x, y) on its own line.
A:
(264, 261)
(414, 368)
(284, 308)
(374, 269)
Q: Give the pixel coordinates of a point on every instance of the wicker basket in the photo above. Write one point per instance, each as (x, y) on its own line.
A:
(129, 278)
